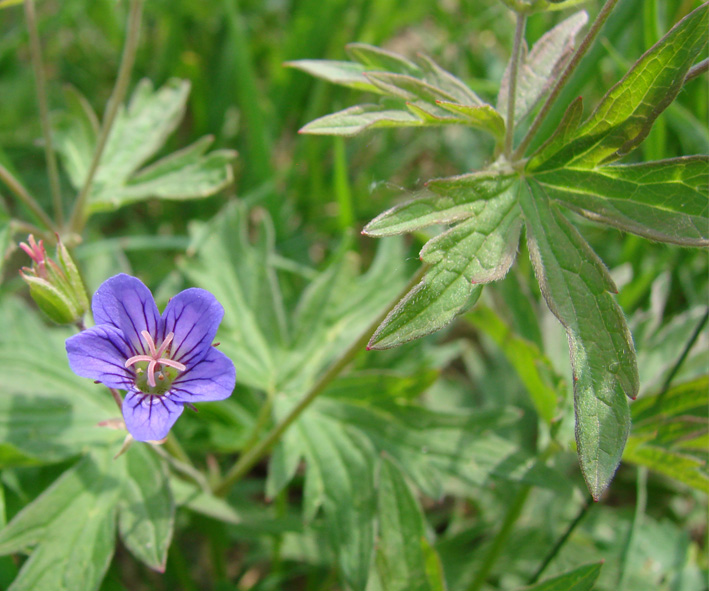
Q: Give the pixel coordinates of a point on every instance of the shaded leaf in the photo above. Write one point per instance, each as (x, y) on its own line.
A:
(539, 69)
(575, 285)
(579, 579)
(146, 512)
(139, 132)
(532, 366)
(73, 525)
(401, 555)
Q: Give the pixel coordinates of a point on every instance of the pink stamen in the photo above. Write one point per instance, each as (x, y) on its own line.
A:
(155, 357)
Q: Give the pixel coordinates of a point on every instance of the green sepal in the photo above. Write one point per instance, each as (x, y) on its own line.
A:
(56, 305)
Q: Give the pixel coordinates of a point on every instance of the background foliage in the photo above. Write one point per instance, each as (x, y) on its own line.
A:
(454, 452)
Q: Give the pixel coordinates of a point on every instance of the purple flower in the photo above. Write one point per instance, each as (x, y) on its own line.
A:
(163, 362)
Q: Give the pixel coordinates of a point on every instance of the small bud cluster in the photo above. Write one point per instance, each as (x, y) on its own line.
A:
(57, 289)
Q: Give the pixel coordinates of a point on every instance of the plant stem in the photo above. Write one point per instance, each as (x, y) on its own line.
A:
(565, 75)
(38, 67)
(16, 187)
(254, 454)
(562, 540)
(493, 552)
(697, 70)
(78, 215)
(25, 228)
(512, 83)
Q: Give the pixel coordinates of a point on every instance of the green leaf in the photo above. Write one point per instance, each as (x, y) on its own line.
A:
(579, 579)
(139, 132)
(481, 116)
(375, 58)
(625, 115)
(541, 67)
(190, 496)
(479, 250)
(407, 88)
(575, 285)
(354, 120)
(669, 433)
(340, 477)
(47, 413)
(147, 512)
(73, 525)
(532, 366)
(444, 80)
(664, 200)
(343, 73)
(449, 200)
(401, 557)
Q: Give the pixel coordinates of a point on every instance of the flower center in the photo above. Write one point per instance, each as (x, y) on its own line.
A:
(147, 364)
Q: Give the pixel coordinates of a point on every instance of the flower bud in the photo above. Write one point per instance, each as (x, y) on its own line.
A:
(57, 289)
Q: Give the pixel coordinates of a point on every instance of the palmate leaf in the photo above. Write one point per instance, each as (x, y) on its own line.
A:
(72, 524)
(139, 132)
(664, 201)
(624, 117)
(418, 94)
(576, 285)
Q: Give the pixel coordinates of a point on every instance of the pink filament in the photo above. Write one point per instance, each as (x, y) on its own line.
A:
(156, 357)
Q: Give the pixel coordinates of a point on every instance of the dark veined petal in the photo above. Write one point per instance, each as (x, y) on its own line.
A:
(149, 418)
(213, 378)
(126, 303)
(100, 353)
(194, 316)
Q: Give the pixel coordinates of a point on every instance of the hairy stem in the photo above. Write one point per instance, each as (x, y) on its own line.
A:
(21, 193)
(494, 550)
(254, 454)
(512, 85)
(38, 67)
(565, 75)
(562, 540)
(78, 215)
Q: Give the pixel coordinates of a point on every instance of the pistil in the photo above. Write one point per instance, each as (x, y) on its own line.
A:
(155, 357)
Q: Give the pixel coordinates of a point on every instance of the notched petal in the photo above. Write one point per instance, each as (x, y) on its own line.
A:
(149, 418)
(126, 303)
(100, 353)
(194, 316)
(213, 378)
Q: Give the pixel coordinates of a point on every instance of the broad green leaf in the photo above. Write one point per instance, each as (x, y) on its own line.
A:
(562, 135)
(448, 200)
(479, 250)
(669, 433)
(575, 285)
(539, 69)
(191, 496)
(532, 366)
(579, 579)
(72, 524)
(47, 413)
(343, 73)
(375, 58)
(139, 132)
(624, 117)
(146, 511)
(340, 474)
(664, 200)
(354, 120)
(401, 558)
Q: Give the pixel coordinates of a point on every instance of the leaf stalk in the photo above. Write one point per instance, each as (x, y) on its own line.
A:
(255, 453)
(78, 215)
(49, 154)
(21, 193)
